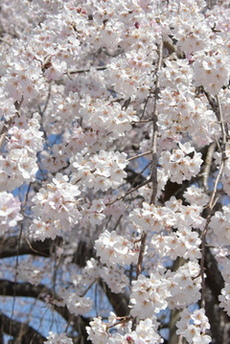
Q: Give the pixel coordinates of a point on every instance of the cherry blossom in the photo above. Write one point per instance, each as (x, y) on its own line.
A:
(9, 211)
(148, 296)
(115, 170)
(193, 326)
(54, 338)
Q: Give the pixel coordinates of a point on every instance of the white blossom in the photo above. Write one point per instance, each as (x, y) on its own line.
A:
(9, 211)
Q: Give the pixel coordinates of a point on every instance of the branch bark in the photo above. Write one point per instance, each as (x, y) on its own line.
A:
(9, 247)
(120, 302)
(219, 320)
(22, 332)
(40, 292)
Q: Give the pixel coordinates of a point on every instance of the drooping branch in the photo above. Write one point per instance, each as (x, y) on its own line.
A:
(214, 279)
(219, 320)
(41, 292)
(153, 176)
(22, 332)
(9, 247)
(119, 302)
(216, 105)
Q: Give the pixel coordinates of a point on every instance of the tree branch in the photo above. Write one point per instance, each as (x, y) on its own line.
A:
(22, 333)
(40, 292)
(219, 320)
(153, 176)
(120, 302)
(9, 247)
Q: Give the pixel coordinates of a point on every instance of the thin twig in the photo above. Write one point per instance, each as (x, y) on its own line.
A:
(214, 198)
(117, 223)
(77, 71)
(145, 106)
(47, 100)
(141, 254)
(33, 250)
(207, 165)
(136, 181)
(89, 287)
(210, 208)
(131, 191)
(155, 128)
(140, 155)
(224, 128)
(123, 320)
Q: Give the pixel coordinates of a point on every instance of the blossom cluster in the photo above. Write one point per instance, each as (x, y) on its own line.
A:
(179, 164)
(184, 285)
(211, 71)
(26, 271)
(109, 118)
(20, 164)
(113, 276)
(180, 114)
(10, 207)
(174, 214)
(100, 171)
(193, 326)
(220, 226)
(225, 179)
(77, 304)
(92, 213)
(149, 295)
(224, 296)
(183, 243)
(145, 333)
(115, 249)
(55, 208)
(54, 338)
(108, 113)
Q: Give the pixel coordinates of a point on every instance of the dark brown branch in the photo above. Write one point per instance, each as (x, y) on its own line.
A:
(208, 164)
(40, 292)
(141, 255)
(219, 320)
(22, 333)
(119, 302)
(216, 105)
(9, 247)
(214, 278)
(133, 178)
(7, 288)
